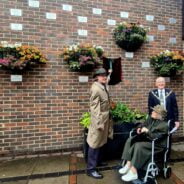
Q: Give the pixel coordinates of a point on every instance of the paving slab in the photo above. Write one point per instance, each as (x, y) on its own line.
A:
(18, 167)
(178, 168)
(57, 180)
(51, 164)
(60, 163)
(110, 176)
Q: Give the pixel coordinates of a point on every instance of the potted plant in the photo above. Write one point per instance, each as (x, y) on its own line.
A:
(124, 120)
(19, 58)
(168, 63)
(129, 36)
(82, 57)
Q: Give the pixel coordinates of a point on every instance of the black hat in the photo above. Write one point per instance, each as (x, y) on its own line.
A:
(100, 71)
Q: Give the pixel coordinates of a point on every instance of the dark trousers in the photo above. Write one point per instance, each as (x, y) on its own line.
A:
(94, 157)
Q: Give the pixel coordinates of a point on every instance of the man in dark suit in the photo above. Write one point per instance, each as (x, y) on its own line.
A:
(167, 99)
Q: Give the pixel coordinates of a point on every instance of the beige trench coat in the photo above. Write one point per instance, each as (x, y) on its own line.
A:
(101, 127)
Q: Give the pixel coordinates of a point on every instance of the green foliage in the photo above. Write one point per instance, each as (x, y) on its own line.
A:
(82, 57)
(85, 120)
(129, 36)
(168, 63)
(123, 114)
(18, 58)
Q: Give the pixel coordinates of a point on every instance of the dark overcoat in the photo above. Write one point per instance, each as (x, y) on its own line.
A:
(138, 149)
(171, 104)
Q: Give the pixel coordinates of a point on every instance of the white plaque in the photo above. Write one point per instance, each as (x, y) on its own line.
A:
(161, 27)
(150, 18)
(150, 38)
(82, 19)
(145, 64)
(172, 20)
(4, 43)
(51, 16)
(82, 32)
(97, 11)
(16, 78)
(15, 12)
(124, 14)
(83, 79)
(111, 22)
(17, 44)
(16, 27)
(172, 40)
(129, 54)
(35, 4)
(167, 79)
(67, 7)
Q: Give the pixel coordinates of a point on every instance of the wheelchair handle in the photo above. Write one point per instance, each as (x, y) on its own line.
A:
(173, 130)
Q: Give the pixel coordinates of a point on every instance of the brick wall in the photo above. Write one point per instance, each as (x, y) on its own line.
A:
(42, 112)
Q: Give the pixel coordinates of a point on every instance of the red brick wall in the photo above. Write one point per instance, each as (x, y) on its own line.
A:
(43, 112)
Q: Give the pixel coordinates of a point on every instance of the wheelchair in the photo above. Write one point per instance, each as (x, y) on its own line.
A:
(158, 164)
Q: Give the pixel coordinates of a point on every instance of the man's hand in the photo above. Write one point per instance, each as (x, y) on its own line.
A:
(110, 71)
(177, 124)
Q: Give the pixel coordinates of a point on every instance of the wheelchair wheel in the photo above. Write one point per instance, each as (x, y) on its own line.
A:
(167, 172)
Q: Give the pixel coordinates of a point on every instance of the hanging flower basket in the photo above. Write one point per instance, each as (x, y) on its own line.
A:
(82, 57)
(168, 63)
(129, 36)
(20, 58)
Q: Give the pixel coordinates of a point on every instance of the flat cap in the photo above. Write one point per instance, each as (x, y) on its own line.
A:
(100, 71)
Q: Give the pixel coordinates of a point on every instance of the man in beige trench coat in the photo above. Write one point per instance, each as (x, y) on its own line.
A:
(100, 128)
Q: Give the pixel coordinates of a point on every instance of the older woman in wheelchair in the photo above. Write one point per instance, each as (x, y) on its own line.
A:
(138, 149)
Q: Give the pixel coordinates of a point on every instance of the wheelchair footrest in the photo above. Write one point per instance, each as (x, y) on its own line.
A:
(138, 181)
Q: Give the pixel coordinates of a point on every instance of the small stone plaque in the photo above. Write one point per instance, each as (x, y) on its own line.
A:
(82, 32)
(15, 12)
(172, 40)
(16, 27)
(82, 19)
(150, 18)
(17, 44)
(51, 16)
(33, 3)
(83, 79)
(150, 38)
(97, 11)
(161, 27)
(16, 78)
(124, 14)
(129, 54)
(111, 22)
(172, 20)
(145, 65)
(4, 43)
(167, 79)
(67, 7)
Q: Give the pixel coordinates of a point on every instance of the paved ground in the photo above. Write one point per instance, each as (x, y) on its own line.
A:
(70, 169)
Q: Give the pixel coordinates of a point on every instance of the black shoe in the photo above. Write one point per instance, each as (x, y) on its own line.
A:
(94, 174)
(102, 164)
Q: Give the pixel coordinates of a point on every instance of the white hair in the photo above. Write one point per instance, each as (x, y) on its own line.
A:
(160, 79)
